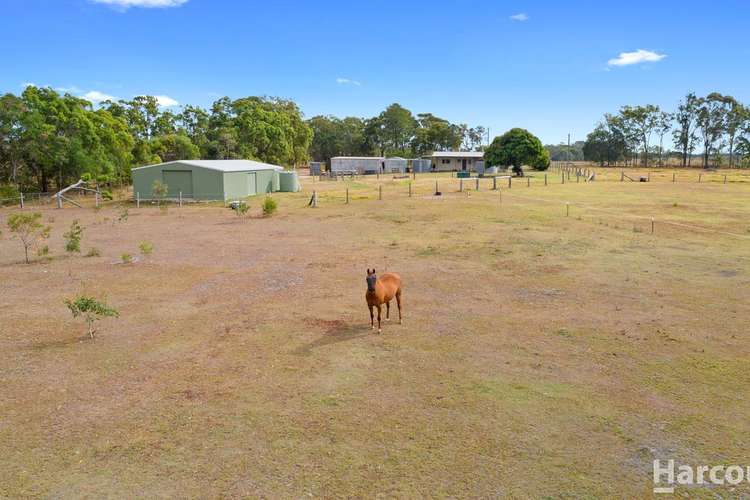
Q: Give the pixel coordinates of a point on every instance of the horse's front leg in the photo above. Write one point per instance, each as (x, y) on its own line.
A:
(388, 311)
(372, 317)
(380, 328)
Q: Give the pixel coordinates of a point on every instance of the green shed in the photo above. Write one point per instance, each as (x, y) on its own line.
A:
(207, 179)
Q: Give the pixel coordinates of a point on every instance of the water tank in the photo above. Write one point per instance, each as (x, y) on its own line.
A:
(288, 182)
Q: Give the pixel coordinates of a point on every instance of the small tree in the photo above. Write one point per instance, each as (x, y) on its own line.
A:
(517, 147)
(73, 238)
(91, 310)
(269, 206)
(28, 228)
(159, 190)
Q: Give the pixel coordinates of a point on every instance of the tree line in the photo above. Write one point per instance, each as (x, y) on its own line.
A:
(715, 126)
(50, 140)
(394, 132)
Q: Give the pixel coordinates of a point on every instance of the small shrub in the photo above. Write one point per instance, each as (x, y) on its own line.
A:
(28, 228)
(269, 206)
(107, 195)
(91, 310)
(93, 252)
(43, 251)
(124, 214)
(160, 190)
(126, 258)
(146, 248)
(241, 209)
(73, 238)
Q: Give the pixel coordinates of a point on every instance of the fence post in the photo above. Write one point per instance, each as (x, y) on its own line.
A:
(477, 183)
(315, 199)
(436, 187)
(563, 178)
(567, 208)
(648, 177)
(59, 201)
(380, 192)
(652, 225)
(460, 185)
(700, 176)
(180, 199)
(545, 179)
(528, 182)
(510, 181)
(347, 196)
(725, 181)
(96, 200)
(138, 199)
(414, 175)
(622, 176)
(410, 190)
(673, 176)
(21, 199)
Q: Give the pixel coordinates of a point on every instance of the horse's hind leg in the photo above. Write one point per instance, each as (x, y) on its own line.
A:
(388, 311)
(398, 302)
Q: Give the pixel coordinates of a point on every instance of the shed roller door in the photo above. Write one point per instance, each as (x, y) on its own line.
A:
(179, 181)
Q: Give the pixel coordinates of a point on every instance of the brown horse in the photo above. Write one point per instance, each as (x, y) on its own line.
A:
(381, 291)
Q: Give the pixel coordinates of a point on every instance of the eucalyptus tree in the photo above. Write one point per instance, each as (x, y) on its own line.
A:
(641, 121)
(684, 134)
(711, 123)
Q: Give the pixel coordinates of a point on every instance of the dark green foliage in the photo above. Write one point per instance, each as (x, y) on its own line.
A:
(516, 148)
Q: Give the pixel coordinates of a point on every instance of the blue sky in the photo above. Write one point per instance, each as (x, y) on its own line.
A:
(547, 66)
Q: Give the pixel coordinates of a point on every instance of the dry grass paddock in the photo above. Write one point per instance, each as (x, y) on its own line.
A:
(541, 354)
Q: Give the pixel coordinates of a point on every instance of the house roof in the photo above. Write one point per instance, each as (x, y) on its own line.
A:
(358, 158)
(222, 165)
(458, 154)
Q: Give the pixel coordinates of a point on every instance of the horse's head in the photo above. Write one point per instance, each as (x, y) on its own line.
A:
(371, 279)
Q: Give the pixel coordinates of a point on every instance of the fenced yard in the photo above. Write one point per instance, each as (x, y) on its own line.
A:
(552, 344)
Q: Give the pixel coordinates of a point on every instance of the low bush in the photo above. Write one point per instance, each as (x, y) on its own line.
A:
(269, 206)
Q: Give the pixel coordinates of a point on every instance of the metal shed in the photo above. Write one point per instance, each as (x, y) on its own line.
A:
(418, 165)
(358, 164)
(395, 165)
(207, 179)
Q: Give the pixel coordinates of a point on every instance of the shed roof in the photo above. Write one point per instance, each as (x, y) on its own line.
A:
(458, 154)
(222, 165)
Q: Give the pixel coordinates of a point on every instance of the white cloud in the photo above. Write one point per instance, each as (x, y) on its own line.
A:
(519, 17)
(148, 4)
(96, 97)
(348, 81)
(166, 101)
(637, 57)
(68, 90)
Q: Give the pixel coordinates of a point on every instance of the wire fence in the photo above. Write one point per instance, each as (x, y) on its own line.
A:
(508, 190)
(432, 186)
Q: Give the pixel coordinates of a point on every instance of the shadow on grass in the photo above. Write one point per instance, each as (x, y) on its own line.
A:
(337, 332)
(58, 344)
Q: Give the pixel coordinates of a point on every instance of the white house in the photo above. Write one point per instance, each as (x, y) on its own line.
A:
(449, 161)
